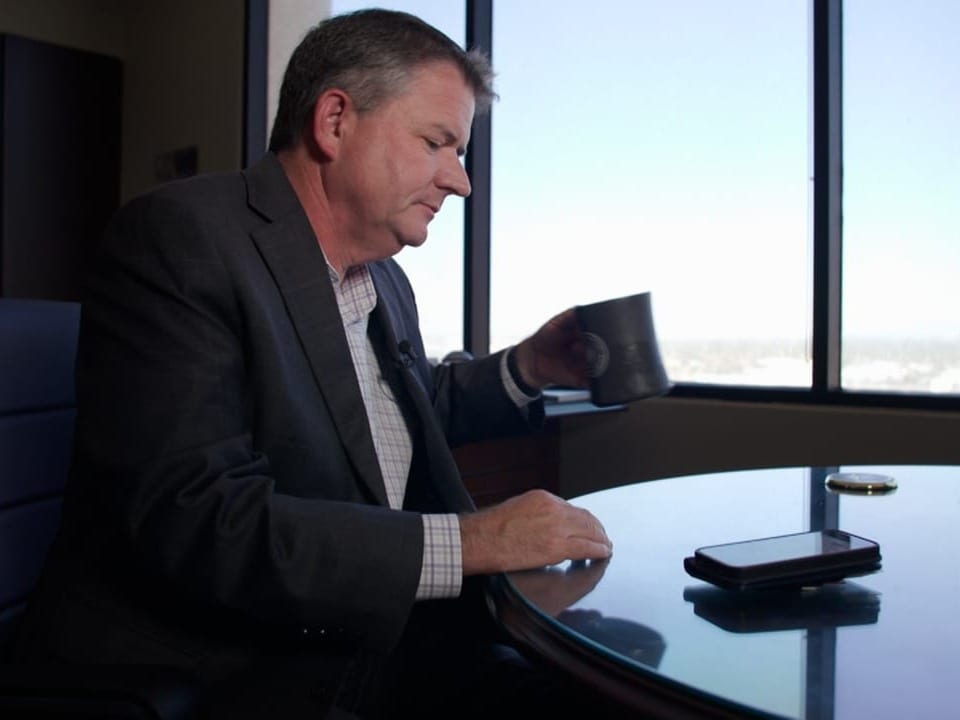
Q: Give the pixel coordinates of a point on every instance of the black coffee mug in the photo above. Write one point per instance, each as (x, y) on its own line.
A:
(623, 358)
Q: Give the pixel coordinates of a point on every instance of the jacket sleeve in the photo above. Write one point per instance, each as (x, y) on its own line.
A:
(469, 398)
(472, 403)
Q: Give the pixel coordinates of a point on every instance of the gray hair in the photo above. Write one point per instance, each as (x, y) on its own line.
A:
(370, 55)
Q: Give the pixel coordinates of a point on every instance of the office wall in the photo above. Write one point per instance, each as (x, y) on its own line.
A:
(183, 86)
(94, 25)
(183, 72)
(288, 21)
(668, 437)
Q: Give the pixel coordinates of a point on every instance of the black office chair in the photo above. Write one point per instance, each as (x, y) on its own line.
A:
(38, 342)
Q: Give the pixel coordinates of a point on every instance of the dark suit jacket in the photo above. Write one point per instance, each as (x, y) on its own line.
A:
(226, 510)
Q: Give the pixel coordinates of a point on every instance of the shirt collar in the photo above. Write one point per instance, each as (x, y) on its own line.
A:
(355, 292)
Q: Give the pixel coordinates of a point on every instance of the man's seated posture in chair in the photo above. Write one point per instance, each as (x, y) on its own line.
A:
(263, 489)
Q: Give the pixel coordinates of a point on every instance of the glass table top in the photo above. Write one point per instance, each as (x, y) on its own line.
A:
(883, 645)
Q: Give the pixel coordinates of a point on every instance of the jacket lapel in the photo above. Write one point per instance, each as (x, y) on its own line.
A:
(291, 252)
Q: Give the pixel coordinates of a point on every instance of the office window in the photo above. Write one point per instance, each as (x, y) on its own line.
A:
(901, 192)
(663, 147)
(436, 268)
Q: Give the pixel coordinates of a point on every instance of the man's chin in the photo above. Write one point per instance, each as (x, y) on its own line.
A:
(411, 241)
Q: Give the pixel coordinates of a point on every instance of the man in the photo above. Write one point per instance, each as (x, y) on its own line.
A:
(263, 489)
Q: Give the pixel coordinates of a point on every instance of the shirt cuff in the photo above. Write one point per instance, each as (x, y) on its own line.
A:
(441, 574)
(519, 397)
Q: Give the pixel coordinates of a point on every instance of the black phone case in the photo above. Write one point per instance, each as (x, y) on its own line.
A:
(798, 572)
(788, 579)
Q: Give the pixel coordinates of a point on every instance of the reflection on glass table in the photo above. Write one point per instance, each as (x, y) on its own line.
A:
(829, 606)
(554, 590)
(644, 631)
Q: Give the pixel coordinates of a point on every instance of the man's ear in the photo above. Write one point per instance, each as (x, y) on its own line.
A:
(329, 115)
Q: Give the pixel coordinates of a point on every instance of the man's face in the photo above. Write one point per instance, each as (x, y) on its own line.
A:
(400, 160)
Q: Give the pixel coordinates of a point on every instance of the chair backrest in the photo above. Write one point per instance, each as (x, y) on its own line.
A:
(38, 343)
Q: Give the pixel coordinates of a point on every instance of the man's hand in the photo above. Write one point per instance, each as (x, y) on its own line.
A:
(530, 531)
(554, 355)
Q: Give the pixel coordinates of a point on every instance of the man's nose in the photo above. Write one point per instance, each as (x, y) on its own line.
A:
(453, 177)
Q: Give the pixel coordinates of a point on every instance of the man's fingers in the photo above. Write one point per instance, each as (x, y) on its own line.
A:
(584, 549)
(590, 527)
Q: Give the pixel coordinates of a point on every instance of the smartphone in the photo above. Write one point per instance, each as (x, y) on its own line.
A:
(799, 559)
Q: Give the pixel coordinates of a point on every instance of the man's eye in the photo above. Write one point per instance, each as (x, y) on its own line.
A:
(431, 144)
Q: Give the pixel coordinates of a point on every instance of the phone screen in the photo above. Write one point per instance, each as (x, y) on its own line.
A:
(784, 548)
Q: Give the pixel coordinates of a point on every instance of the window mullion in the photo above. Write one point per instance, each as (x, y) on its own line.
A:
(476, 231)
(827, 193)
